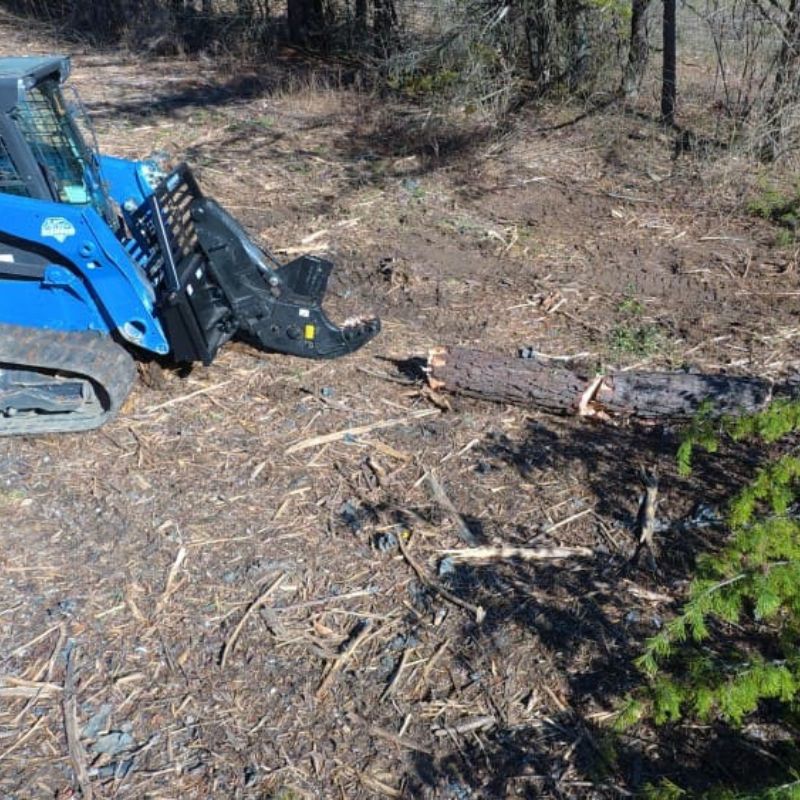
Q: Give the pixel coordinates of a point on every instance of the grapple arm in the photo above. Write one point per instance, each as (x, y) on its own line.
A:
(214, 283)
(277, 307)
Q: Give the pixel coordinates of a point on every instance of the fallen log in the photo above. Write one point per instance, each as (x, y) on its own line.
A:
(539, 383)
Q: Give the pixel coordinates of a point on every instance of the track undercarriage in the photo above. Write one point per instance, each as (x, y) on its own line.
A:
(57, 381)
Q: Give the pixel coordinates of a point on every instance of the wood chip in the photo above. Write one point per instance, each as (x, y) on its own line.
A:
(467, 726)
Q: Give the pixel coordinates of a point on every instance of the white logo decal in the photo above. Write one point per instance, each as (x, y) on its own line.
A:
(57, 228)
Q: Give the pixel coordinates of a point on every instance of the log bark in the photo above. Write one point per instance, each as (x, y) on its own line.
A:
(540, 384)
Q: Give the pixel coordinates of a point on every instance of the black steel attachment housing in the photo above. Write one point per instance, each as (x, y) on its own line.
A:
(214, 283)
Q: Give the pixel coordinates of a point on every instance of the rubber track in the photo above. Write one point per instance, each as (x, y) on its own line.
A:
(85, 354)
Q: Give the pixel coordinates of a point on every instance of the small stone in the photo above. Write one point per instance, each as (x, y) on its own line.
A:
(456, 790)
(116, 770)
(67, 606)
(386, 542)
(250, 775)
(97, 723)
(113, 743)
(387, 663)
(446, 567)
(350, 515)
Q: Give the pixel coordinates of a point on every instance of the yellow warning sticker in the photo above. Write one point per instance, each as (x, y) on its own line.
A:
(310, 332)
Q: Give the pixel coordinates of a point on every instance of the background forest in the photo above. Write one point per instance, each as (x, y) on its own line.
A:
(491, 55)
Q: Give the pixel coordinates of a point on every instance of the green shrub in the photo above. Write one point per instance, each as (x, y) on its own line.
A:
(780, 207)
(736, 641)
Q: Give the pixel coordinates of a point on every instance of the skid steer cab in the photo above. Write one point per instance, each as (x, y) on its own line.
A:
(102, 256)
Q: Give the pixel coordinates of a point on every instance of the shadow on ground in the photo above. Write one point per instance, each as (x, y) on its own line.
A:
(544, 613)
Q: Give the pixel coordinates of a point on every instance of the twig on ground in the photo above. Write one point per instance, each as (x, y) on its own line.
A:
(327, 438)
(477, 611)
(386, 377)
(22, 739)
(398, 739)
(467, 726)
(341, 660)
(561, 523)
(646, 519)
(169, 586)
(251, 609)
(186, 397)
(321, 601)
(374, 784)
(440, 497)
(649, 595)
(11, 686)
(521, 553)
(18, 651)
(392, 685)
(428, 668)
(457, 453)
(69, 706)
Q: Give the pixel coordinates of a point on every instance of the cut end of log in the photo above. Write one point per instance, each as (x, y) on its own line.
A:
(437, 358)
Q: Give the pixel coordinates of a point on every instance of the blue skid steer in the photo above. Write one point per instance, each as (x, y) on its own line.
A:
(102, 258)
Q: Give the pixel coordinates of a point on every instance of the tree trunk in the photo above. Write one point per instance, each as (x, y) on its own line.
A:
(538, 31)
(783, 102)
(646, 395)
(669, 78)
(305, 20)
(580, 41)
(638, 50)
(361, 18)
(384, 26)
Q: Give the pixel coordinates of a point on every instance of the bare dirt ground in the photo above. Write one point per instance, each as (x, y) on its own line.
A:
(220, 603)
